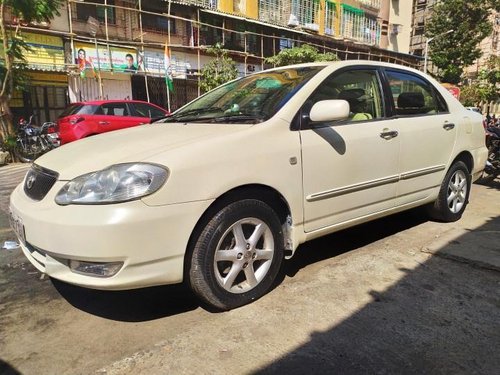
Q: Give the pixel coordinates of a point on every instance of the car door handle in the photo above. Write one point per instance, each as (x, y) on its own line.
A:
(389, 134)
(448, 126)
(103, 122)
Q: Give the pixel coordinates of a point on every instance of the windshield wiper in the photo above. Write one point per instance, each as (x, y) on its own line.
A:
(192, 112)
(239, 117)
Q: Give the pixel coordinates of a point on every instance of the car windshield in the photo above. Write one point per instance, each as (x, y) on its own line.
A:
(251, 99)
(79, 109)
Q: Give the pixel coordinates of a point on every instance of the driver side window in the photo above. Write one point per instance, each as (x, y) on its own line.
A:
(360, 88)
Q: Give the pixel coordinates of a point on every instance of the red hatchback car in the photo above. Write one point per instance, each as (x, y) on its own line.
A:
(83, 119)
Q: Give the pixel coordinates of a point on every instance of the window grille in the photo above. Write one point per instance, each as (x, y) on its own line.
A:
(83, 11)
(306, 11)
(330, 13)
(358, 26)
(274, 11)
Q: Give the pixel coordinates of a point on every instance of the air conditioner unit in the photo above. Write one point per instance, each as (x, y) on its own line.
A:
(396, 28)
(293, 21)
(311, 26)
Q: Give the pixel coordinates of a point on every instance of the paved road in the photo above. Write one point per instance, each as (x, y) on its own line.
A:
(365, 300)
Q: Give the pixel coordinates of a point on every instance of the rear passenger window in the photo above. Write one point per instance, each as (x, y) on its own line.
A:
(414, 96)
(114, 109)
(146, 110)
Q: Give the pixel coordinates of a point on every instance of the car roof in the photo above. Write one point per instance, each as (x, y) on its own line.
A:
(99, 102)
(346, 63)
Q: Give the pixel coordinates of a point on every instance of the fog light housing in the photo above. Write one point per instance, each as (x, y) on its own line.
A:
(95, 269)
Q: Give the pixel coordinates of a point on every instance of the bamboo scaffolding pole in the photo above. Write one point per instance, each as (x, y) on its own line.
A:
(143, 53)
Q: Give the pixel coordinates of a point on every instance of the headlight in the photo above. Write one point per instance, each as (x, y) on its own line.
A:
(118, 183)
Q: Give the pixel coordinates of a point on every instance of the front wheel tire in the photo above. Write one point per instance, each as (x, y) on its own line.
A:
(237, 256)
(453, 195)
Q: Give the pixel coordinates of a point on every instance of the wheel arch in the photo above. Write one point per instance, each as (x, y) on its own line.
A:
(264, 193)
(466, 158)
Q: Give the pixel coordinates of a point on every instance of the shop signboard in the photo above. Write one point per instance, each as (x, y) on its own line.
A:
(152, 62)
(46, 52)
(116, 59)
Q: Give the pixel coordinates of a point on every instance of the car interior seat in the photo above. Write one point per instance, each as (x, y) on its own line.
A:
(357, 100)
(410, 103)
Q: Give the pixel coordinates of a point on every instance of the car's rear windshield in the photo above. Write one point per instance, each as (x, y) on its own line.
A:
(251, 99)
(79, 109)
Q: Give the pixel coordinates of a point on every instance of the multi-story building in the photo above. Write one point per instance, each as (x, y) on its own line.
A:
(421, 12)
(115, 49)
(490, 46)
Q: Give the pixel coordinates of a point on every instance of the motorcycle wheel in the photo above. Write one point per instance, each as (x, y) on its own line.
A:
(28, 153)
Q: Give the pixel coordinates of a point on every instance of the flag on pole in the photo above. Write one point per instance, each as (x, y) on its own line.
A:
(168, 70)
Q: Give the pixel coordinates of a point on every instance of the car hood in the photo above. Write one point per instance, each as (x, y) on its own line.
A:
(129, 145)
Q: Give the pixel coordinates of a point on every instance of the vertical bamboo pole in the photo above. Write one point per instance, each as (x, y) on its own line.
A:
(246, 54)
(199, 58)
(72, 46)
(261, 52)
(169, 56)
(107, 33)
(142, 50)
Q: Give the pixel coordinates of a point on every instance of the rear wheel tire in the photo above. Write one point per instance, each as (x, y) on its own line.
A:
(454, 194)
(237, 256)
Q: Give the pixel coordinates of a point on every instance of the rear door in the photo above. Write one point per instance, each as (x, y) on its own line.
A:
(114, 116)
(427, 134)
(350, 168)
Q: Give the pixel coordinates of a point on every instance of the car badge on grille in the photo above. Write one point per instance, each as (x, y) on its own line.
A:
(30, 181)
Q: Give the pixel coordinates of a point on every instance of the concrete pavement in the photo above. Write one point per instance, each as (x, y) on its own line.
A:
(479, 248)
(10, 176)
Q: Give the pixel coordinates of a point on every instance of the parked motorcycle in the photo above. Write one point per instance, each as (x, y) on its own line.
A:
(492, 167)
(33, 141)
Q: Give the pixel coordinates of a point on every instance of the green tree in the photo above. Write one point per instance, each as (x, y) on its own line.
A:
(219, 70)
(298, 55)
(486, 88)
(469, 20)
(13, 48)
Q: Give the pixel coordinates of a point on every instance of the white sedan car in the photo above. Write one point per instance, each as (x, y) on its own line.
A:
(221, 191)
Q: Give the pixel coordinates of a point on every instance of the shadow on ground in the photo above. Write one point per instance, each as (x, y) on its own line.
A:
(158, 302)
(138, 305)
(491, 182)
(353, 238)
(6, 369)
(441, 318)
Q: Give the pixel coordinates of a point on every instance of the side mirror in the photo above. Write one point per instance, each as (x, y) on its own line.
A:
(329, 110)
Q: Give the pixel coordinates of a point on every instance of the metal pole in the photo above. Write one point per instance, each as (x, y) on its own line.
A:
(427, 46)
(426, 53)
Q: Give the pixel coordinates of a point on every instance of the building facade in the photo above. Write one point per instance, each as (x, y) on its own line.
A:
(490, 46)
(115, 49)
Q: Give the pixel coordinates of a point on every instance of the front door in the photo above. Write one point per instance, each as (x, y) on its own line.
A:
(350, 168)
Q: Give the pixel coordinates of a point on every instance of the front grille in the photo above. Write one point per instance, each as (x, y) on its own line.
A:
(39, 181)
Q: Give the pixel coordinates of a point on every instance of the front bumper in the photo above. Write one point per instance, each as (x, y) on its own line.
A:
(150, 241)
